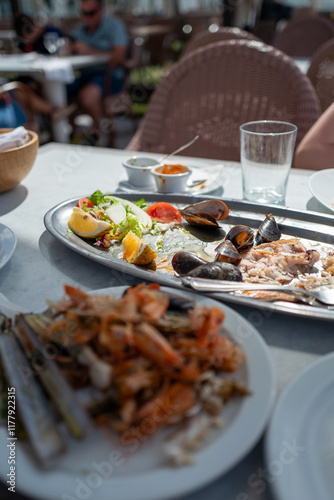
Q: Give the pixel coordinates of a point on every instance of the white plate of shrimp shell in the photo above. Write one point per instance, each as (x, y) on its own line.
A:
(98, 468)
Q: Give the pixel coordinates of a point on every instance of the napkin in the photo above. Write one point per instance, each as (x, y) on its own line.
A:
(14, 138)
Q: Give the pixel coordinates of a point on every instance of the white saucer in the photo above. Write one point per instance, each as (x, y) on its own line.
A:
(214, 180)
(300, 437)
(7, 244)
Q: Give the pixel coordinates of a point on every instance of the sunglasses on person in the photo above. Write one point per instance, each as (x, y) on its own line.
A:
(90, 13)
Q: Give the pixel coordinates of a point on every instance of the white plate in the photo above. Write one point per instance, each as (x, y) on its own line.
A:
(321, 185)
(7, 244)
(214, 180)
(300, 438)
(145, 475)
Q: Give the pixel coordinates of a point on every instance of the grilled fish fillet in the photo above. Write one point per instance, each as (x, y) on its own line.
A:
(277, 262)
(328, 263)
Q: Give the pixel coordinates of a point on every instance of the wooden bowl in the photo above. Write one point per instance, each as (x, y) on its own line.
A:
(16, 163)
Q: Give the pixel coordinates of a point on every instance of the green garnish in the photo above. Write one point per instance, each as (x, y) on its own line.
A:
(142, 204)
(159, 243)
(97, 197)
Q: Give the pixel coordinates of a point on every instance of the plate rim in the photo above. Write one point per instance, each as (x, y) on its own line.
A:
(11, 241)
(292, 388)
(86, 250)
(319, 173)
(261, 405)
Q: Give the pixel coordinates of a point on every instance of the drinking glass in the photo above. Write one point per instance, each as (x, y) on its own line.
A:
(50, 40)
(266, 154)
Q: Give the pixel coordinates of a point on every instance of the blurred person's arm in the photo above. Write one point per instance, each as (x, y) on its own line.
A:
(117, 53)
(5, 97)
(316, 149)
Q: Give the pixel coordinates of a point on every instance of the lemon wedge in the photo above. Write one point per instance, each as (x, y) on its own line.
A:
(85, 225)
(136, 251)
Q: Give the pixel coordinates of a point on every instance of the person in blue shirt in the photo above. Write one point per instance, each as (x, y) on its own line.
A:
(98, 34)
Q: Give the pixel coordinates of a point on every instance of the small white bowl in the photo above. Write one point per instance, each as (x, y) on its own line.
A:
(171, 182)
(138, 169)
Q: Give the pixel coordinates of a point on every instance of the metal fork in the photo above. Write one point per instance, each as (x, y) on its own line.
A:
(323, 295)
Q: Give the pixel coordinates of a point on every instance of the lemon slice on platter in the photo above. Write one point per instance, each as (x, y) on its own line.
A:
(136, 251)
(85, 225)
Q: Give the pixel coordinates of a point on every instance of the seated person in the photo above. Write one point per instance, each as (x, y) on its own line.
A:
(316, 149)
(99, 34)
(20, 105)
(12, 114)
(32, 37)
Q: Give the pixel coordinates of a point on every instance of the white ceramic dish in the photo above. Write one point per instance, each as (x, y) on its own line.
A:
(138, 169)
(321, 185)
(171, 182)
(300, 437)
(144, 474)
(214, 179)
(7, 244)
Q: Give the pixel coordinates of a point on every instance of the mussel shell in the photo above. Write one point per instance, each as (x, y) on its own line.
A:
(183, 262)
(212, 208)
(181, 304)
(226, 252)
(241, 236)
(268, 231)
(217, 271)
(200, 219)
(206, 233)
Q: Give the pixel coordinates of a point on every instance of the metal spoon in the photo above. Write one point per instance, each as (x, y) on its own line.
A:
(196, 182)
(164, 158)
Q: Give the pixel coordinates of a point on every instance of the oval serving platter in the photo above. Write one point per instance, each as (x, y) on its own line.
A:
(310, 226)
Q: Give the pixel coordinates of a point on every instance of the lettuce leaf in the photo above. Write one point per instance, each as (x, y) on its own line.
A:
(97, 197)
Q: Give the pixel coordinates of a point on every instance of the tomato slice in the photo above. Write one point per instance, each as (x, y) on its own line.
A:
(85, 201)
(164, 212)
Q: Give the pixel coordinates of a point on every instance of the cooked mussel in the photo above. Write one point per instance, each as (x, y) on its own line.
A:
(241, 236)
(268, 231)
(199, 219)
(217, 271)
(183, 262)
(226, 252)
(206, 212)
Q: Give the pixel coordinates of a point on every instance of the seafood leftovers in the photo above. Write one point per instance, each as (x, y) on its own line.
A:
(197, 241)
(131, 365)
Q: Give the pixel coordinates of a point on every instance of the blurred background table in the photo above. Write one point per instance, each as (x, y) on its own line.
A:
(54, 73)
(41, 265)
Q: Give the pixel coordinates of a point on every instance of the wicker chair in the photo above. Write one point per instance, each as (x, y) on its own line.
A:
(215, 89)
(321, 73)
(225, 33)
(303, 35)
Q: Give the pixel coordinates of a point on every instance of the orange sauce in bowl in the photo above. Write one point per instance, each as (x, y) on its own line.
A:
(172, 169)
